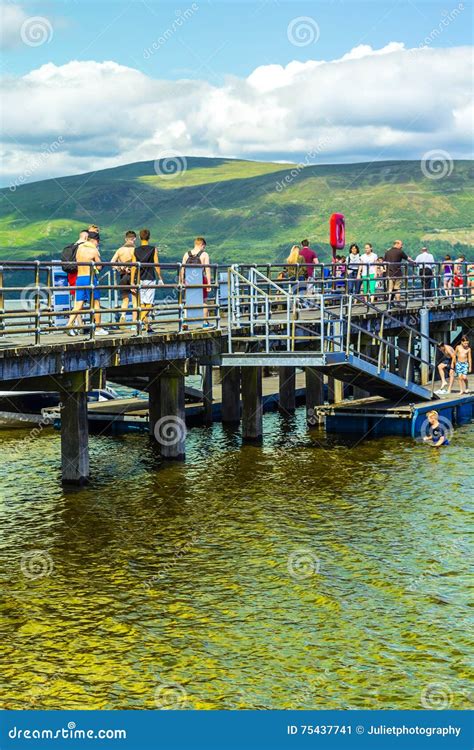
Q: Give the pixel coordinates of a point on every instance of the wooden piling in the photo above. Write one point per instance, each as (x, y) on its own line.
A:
(170, 429)
(207, 394)
(230, 379)
(74, 438)
(287, 389)
(314, 392)
(252, 407)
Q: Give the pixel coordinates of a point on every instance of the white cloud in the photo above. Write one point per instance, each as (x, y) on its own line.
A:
(381, 104)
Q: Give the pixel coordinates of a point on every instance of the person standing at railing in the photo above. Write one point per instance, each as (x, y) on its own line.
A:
(425, 262)
(311, 258)
(69, 261)
(353, 266)
(367, 271)
(295, 269)
(87, 276)
(447, 267)
(125, 255)
(470, 278)
(380, 279)
(146, 277)
(393, 258)
(458, 275)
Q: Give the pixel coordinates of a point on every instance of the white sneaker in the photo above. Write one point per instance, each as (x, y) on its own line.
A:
(72, 332)
(441, 391)
(101, 332)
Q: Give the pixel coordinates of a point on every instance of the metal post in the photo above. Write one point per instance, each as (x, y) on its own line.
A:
(425, 345)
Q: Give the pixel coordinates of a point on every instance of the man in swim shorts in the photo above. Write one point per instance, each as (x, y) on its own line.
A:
(87, 277)
(462, 364)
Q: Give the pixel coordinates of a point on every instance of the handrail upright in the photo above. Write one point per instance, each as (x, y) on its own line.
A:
(37, 313)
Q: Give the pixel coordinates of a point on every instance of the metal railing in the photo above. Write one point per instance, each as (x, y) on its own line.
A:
(29, 295)
(265, 311)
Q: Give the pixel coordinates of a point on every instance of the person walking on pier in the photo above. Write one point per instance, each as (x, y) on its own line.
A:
(462, 364)
(425, 261)
(145, 277)
(393, 258)
(199, 257)
(124, 256)
(447, 267)
(88, 266)
(445, 366)
(69, 261)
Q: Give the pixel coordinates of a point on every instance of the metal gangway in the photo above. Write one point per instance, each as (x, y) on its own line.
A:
(270, 323)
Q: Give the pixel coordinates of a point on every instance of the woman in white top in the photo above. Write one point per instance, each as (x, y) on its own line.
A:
(353, 265)
(367, 271)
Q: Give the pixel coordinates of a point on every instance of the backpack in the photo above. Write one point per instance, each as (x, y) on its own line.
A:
(68, 258)
(194, 260)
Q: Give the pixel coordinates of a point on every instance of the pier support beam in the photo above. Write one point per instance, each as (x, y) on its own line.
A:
(252, 407)
(425, 345)
(74, 438)
(170, 430)
(335, 390)
(287, 389)
(314, 392)
(230, 380)
(207, 394)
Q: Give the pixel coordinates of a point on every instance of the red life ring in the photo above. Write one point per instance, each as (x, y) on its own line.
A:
(337, 232)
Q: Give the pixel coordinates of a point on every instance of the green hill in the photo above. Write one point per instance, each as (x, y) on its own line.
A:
(246, 210)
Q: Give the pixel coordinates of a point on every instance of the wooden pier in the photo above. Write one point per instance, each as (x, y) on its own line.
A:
(375, 350)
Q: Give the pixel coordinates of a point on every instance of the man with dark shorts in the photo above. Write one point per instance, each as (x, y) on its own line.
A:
(445, 366)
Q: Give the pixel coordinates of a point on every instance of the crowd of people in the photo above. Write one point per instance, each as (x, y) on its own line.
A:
(139, 276)
(376, 277)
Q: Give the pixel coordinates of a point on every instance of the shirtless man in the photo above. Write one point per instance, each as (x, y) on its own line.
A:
(125, 255)
(445, 367)
(87, 253)
(462, 364)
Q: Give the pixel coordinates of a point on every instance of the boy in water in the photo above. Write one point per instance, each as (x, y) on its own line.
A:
(435, 435)
(462, 364)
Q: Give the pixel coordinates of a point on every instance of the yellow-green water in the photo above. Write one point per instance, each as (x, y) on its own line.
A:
(306, 573)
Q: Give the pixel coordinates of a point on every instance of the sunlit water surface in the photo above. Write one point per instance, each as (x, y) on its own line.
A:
(309, 572)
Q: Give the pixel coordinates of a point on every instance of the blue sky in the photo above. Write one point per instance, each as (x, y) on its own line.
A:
(225, 37)
(93, 84)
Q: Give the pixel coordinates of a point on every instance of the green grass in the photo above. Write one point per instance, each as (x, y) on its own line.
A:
(248, 211)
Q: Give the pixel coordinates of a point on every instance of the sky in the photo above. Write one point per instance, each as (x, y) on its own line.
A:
(90, 84)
